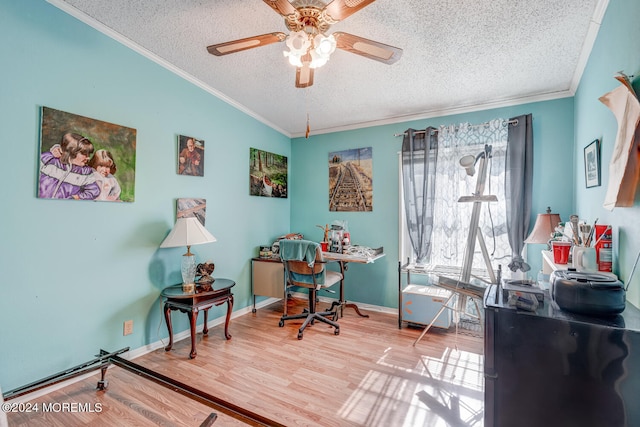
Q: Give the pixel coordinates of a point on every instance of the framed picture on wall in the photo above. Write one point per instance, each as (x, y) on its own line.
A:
(351, 180)
(592, 164)
(268, 174)
(190, 156)
(191, 207)
(85, 159)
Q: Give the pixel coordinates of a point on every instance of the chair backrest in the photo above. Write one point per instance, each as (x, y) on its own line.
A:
(303, 262)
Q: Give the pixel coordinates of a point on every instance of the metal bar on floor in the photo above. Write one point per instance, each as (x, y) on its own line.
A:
(210, 400)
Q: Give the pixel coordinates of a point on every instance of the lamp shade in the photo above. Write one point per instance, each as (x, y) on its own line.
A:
(544, 227)
(187, 232)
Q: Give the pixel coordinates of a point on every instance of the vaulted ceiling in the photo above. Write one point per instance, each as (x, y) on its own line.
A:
(457, 56)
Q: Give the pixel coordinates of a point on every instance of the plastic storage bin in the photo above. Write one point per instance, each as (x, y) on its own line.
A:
(421, 303)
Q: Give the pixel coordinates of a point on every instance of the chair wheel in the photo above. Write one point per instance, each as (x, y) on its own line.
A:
(299, 335)
(337, 331)
(281, 323)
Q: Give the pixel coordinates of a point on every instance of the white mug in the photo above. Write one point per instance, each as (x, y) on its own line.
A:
(584, 259)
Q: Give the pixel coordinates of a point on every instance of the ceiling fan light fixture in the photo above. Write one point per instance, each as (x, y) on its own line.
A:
(324, 45)
(298, 43)
(317, 60)
(308, 46)
(294, 59)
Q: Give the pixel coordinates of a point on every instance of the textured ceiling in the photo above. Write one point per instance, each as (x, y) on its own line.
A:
(457, 56)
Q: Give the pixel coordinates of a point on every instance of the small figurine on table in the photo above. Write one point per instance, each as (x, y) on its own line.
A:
(203, 274)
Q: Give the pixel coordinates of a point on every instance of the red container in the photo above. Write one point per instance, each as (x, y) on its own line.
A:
(604, 248)
(561, 252)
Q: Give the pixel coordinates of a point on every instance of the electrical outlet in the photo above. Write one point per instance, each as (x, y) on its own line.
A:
(128, 327)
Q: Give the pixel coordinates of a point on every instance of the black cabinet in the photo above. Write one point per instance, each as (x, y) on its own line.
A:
(553, 368)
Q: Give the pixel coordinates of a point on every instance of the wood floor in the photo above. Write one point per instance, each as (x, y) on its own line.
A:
(369, 375)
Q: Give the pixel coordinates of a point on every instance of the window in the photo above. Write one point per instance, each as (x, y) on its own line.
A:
(451, 218)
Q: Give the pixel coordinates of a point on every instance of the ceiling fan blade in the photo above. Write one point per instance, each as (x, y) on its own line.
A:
(341, 9)
(283, 7)
(367, 48)
(244, 44)
(304, 74)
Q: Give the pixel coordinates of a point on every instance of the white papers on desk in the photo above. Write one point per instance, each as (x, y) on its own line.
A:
(335, 256)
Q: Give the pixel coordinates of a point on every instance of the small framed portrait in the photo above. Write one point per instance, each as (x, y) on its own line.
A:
(592, 164)
(190, 156)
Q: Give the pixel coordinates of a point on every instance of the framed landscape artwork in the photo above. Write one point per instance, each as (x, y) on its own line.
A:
(351, 180)
(267, 174)
(190, 156)
(85, 159)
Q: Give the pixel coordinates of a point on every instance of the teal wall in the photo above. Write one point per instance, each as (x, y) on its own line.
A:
(73, 272)
(617, 48)
(378, 283)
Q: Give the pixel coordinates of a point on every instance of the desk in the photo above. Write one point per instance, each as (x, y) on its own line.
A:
(268, 276)
(549, 266)
(343, 260)
(192, 303)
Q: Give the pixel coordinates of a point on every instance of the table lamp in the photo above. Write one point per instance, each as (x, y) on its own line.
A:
(544, 228)
(187, 232)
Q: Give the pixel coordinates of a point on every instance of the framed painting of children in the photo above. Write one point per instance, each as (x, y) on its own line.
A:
(85, 159)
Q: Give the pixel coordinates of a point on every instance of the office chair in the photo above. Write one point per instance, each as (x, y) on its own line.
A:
(304, 266)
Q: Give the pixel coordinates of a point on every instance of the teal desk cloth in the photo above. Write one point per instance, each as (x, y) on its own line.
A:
(301, 250)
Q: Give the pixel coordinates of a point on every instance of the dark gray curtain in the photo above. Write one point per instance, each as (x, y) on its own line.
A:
(419, 154)
(518, 186)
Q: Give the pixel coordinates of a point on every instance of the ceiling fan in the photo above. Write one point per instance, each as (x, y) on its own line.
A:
(309, 45)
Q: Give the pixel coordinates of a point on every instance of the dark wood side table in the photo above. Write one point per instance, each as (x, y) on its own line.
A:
(202, 299)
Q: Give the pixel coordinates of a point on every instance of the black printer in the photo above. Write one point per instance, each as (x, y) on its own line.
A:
(593, 294)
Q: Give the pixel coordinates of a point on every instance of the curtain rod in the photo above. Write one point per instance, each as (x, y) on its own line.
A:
(506, 122)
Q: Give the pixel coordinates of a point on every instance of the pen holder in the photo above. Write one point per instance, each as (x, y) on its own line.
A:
(584, 258)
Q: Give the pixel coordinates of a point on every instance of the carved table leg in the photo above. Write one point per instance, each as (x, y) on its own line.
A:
(205, 329)
(355, 307)
(343, 302)
(167, 318)
(226, 322)
(193, 317)
(342, 270)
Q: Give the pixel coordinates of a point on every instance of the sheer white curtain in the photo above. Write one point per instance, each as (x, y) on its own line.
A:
(450, 218)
